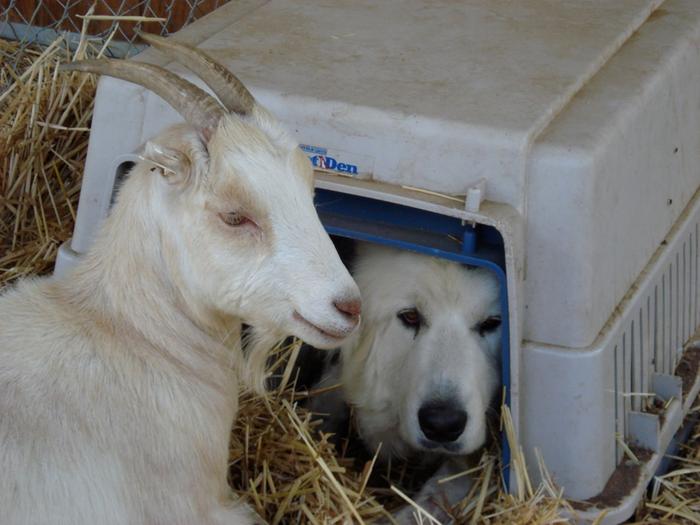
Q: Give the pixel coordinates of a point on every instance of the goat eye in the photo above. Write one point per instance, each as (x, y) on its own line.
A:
(235, 219)
(411, 318)
(488, 325)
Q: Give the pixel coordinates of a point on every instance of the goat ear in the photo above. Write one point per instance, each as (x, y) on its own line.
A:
(178, 166)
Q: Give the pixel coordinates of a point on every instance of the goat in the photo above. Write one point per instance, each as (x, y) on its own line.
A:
(119, 381)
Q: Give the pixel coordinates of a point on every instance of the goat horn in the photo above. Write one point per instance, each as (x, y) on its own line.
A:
(196, 106)
(230, 90)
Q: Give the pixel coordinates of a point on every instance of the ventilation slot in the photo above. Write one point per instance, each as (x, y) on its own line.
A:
(651, 338)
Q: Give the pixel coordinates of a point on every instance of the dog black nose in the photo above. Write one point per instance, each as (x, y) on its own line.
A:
(441, 421)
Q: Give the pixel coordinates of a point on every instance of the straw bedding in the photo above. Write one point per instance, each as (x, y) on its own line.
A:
(44, 119)
(279, 463)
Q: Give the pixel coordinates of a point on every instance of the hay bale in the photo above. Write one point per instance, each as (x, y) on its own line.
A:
(44, 129)
(287, 470)
(288, 473)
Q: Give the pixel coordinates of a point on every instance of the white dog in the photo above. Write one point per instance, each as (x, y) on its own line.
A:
(422, 371)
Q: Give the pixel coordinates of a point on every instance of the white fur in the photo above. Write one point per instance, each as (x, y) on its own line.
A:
(119, 383)
(389, 372)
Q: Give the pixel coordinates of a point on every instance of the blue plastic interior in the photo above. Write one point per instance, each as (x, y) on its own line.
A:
(407, 228)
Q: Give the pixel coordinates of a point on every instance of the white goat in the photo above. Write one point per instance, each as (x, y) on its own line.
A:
(119, 382)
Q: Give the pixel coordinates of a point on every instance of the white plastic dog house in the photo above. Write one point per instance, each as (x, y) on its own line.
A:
(573, 130)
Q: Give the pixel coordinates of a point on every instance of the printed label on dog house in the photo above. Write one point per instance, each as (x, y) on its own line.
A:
(340, 162)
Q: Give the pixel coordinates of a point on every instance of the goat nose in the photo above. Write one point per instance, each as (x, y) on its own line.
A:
(349, 307)
(442, 422)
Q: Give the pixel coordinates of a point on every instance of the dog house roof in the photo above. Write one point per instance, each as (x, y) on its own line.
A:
(435, 94)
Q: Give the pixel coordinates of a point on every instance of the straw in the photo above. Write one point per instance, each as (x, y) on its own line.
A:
(44, 119)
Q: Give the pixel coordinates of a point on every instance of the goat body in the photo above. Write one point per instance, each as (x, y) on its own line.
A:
(115, 405)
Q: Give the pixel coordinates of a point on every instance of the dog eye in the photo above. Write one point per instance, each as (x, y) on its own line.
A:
(488, 325)
(411, 318)
(235, 219)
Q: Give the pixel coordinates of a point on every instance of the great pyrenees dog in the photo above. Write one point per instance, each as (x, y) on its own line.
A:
(422, 371)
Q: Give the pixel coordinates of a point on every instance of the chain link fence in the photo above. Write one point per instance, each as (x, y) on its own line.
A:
(40, 22)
